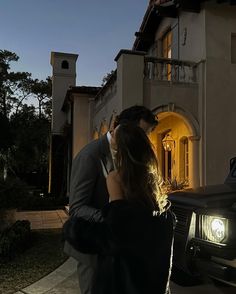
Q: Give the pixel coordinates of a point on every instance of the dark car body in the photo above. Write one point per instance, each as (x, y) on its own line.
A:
(205, 235)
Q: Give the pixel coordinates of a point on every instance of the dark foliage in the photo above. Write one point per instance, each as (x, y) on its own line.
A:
(15, 239)
(13, 193)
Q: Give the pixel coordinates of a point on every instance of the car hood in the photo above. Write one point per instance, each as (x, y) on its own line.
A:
(223, 195)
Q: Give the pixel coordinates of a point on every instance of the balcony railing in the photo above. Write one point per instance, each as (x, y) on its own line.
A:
(172, 70)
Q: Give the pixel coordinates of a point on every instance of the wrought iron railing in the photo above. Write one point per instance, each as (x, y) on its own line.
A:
(172, 70)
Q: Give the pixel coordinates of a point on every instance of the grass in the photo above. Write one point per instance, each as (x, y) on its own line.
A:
(45, 255)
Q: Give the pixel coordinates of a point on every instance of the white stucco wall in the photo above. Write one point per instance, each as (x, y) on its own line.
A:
(130, 69)
(158, 93)
(220, 91)
(192, 37)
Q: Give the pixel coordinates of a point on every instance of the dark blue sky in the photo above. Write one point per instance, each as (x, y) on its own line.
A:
(94, 29)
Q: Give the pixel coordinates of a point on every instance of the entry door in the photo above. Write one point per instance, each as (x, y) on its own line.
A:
(166, 164)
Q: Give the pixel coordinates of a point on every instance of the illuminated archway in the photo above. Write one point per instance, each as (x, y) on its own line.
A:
(182, 162)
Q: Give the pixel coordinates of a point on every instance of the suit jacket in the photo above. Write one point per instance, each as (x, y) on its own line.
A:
(88, 191)
(134, 247)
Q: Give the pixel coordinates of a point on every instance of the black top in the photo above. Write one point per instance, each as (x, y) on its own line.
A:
(134, 247)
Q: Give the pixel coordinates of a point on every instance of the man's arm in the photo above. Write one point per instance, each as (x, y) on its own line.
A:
(83, 179)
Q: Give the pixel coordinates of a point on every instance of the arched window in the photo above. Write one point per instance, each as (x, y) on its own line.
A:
(166, 52)
(95, 134)
(65, 64)
(112, 120)
(184, 158)
(103, 128)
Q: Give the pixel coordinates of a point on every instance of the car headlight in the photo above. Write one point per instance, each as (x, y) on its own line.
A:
(214, 228)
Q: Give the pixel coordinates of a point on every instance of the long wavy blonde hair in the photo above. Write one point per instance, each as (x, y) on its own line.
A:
(137, 165)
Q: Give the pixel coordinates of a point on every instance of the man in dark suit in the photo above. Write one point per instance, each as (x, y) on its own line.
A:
(88, 190)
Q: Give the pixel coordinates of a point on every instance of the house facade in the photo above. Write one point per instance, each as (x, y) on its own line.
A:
(183, 67)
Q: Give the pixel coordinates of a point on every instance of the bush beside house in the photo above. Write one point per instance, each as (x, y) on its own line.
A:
(15, 239)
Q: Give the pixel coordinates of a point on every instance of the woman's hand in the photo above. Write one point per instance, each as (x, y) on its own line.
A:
(114, 186)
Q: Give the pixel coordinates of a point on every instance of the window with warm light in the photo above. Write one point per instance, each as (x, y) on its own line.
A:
(112, 120)
(103, 128)
(166, 51)
(95, 134)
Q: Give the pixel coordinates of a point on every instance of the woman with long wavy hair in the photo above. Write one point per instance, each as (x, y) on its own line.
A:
(134, 241)
(136, 169)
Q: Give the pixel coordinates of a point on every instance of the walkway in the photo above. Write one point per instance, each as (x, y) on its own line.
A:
(61, 281)
(48, 219)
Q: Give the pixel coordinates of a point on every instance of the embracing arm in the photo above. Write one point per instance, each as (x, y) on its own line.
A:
(89, 236)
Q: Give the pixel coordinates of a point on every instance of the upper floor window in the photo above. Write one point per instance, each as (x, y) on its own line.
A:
(166, 44)
(112, 120)
(166, 52)
(65, 64)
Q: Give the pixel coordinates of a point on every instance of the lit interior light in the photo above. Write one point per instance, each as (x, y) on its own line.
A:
(168, 142)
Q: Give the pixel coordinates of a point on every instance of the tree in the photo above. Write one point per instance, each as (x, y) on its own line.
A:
(107, 77)
(6, 140)
(29, 154)
(15, 87)
(42, 91)
(5, 133)
(24, 133)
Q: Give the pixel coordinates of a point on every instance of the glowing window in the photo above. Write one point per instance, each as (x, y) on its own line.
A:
(166, 51)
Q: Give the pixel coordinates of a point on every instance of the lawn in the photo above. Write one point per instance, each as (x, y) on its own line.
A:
(45, 255)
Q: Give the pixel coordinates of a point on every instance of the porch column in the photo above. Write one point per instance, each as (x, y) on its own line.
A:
(130, 71)
(194, 177)
(81, 123)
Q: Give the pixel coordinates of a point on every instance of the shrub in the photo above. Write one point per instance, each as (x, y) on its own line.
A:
(13, 193)
(15, 239)
(16, 194)
(174, 185)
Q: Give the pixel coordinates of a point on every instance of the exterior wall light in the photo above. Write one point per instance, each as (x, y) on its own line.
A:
(168, 142)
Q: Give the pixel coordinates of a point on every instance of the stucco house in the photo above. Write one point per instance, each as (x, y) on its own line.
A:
(183, 67)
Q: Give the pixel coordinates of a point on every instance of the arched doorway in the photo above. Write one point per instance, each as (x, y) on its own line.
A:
(176, 145)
